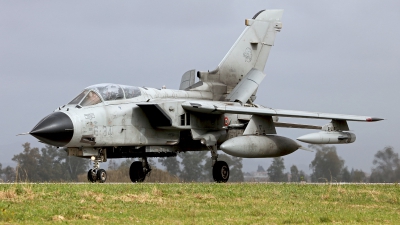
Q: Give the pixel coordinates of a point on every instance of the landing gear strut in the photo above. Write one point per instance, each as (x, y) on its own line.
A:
(139, 170)
(96, 174)
(220, 168)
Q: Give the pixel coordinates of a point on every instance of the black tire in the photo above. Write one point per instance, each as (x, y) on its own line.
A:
(101, 175)
(92, 177)
(136, 172)
(221, 172)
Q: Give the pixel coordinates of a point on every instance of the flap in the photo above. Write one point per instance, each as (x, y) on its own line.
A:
(297, 125)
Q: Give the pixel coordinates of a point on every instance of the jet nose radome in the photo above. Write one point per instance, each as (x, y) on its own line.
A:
(55, 129)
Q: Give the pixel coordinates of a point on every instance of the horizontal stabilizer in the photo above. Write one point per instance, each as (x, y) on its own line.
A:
(246, 87)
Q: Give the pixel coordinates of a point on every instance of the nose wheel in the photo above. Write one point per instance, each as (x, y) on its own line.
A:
(99, 175)
(92, 175)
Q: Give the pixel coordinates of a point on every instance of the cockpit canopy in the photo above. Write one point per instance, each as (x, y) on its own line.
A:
(98, 93)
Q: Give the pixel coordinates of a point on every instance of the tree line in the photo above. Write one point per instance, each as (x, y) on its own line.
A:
(51, 164)
(196, 166)
(44, 165)
(327, 166)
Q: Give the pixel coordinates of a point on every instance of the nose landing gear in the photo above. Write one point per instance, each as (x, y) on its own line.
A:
(96, 174)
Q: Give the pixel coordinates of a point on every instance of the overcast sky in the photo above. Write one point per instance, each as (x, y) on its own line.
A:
(331, 56)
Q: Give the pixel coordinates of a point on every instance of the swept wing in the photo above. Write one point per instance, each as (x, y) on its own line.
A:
(220, 108)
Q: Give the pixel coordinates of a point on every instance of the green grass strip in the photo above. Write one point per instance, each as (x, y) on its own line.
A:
(199, 203)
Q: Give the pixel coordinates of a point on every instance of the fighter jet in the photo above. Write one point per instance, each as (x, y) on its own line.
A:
(216, 113)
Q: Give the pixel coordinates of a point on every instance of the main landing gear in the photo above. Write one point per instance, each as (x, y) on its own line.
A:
(139, 170)
(96, 174)
(220, 168)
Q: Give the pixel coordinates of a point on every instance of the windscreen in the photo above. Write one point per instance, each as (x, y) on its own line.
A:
(91, 99)
(78, 98)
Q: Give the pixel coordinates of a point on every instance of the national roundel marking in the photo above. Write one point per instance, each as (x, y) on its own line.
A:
(226, 121)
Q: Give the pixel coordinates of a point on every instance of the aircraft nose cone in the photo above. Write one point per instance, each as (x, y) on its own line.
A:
(55, 129)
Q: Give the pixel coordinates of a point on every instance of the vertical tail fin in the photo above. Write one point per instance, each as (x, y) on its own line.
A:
(250, 51)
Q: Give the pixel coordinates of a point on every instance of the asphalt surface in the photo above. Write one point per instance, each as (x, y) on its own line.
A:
(80, 183)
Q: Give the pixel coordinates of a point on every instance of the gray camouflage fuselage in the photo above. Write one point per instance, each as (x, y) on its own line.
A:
(126, 121)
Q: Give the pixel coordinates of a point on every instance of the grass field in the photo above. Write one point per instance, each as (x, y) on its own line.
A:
(204, 203)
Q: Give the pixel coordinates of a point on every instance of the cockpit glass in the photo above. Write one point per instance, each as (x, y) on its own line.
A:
(131, 92)
(78, 98)
(91, 99)
(110, 92)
